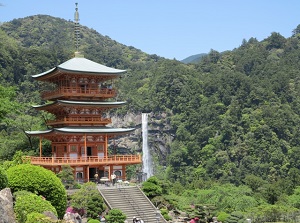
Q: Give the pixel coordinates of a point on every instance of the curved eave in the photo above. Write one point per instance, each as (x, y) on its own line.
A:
(37, 76)
(37, 133)
(80, 66)
(82, 103)
(95, 130)
(82, 130)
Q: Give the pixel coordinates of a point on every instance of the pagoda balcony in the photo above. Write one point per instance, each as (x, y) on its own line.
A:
(81, 161)
(78, 92)
(80, 121)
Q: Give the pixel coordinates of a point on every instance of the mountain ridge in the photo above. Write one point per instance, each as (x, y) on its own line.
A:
(230, 115)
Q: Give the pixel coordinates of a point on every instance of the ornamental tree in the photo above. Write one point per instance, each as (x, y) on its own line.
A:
(89, 199)
(115, 216)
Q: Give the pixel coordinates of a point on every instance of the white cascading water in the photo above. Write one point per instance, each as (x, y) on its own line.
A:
(147, 161)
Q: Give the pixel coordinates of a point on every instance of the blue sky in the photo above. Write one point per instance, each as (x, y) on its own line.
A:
(170, 28)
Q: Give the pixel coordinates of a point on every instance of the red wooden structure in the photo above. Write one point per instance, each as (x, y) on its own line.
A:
(78, 95)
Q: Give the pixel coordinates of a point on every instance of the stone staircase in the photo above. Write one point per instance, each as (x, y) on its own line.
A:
(132, 202)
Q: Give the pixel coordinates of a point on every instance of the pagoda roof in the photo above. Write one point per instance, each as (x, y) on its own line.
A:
(111, 104)
(81, 65)
(82, 130)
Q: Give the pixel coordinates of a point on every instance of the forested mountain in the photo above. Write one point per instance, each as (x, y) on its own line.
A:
(234, 116)
(194, 58)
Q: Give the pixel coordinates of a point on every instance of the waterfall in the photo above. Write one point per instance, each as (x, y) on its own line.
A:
(147, 161)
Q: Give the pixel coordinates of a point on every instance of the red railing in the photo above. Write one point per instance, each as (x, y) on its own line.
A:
(80, 120)
(89, 160)
(79, 92)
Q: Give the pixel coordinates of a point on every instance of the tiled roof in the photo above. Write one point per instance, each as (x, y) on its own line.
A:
(83, 129)
(80, 64)
(111, 104)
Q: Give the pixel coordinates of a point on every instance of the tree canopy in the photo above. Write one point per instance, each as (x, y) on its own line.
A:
(233, 117)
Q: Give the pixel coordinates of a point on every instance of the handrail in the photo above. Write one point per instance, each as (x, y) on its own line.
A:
(77, 90)
(79, 120)
(130, 159)
(105, 200)
(130, 200)
(161, 216)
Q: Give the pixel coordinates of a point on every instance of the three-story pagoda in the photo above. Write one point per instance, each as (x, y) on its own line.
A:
(79, 99)
(79, 134)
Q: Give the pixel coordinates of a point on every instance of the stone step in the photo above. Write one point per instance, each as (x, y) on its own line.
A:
(132, 202)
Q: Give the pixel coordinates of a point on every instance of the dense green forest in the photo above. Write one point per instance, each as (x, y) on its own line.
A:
(235, 115)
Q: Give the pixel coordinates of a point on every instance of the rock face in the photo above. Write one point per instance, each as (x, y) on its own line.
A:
(160, 135)
(72, 218)
(7, 214)
(50, 215)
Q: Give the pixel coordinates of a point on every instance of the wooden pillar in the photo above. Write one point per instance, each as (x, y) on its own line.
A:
(105, 146)
(41, 146)
(88, 173)
(85, 145)
(123, 172)
(111, 171)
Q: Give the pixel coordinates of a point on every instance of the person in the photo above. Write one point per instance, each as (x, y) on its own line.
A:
(102, 219)
(113, 178)
(96, 177)
(134, 219)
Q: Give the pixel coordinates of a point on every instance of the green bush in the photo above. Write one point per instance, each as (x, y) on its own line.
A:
(151, 190)
(40, 181)
(27, 202)
(115, 216)
(93, 221)
(235, 217)
(66, 176)
(88, 198)
(35, 217)
(3, 179)
(77, 186)
(222, 216)
(165, 214)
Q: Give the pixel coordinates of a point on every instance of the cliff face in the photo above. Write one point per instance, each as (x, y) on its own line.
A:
(160, 135)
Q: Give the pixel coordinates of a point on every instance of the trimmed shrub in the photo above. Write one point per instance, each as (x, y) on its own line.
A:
(35, 217)
(27, 202)
(88, 198)
(115, 216)
(152, 188)
(165, 214)
(40, 181)
(222, 216)
(93, 221)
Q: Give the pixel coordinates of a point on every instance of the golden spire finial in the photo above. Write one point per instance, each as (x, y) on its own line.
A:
(76, 15)
(76, 29)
